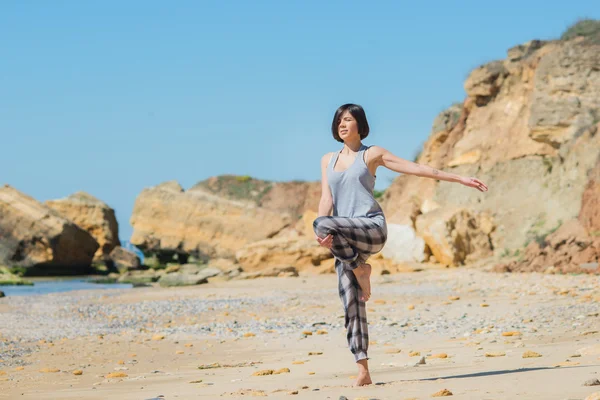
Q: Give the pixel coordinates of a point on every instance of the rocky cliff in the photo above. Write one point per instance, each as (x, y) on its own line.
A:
(527, 128)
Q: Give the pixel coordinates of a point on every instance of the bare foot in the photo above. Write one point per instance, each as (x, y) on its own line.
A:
(363, 276)
(364, 378)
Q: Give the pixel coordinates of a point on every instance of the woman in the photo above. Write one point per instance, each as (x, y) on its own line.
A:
(358, 228)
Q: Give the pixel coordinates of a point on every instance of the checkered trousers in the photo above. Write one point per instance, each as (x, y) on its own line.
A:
(354, 240)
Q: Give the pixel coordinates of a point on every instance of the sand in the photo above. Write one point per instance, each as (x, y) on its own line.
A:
(153, 340)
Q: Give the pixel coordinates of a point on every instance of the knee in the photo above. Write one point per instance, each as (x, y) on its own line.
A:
(320, 226)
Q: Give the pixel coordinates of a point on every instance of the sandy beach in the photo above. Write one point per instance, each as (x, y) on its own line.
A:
(462, 330)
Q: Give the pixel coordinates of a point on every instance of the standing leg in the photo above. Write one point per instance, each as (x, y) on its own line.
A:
(355, 312)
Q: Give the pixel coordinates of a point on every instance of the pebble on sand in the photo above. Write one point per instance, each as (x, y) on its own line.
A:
(307, 333)
(263, 372)
(293, 392)
(49, 370)
(249, 334)
(78, 372)
(442, 393)
(414, 354)
(17, 369)
(311, 373)
(439, 355)
(315, 353)
(116, 375)
(495, 354)
(531, 354)
(411, 307)
(297, 362)
(158, 337)
(282, 371)
(511, 333)
(322, 332)
(482, 305)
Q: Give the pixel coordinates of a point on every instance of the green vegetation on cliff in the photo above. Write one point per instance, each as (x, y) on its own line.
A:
(587, 28)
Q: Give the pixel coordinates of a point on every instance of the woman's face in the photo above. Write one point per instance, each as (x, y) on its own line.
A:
(347, 126)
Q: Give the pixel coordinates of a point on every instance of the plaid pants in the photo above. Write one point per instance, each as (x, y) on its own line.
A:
(354, 240)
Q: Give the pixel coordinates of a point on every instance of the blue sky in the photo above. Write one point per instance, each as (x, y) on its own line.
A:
(110, 97)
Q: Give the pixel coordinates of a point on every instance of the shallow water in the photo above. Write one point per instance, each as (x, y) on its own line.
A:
(55, 285)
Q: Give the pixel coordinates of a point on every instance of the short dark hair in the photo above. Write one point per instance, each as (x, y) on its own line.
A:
(359, 115)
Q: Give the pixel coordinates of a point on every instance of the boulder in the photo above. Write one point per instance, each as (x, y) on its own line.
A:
(123, 259)
(403, 244)
(456, 235)
(92, 215)
(34, 236)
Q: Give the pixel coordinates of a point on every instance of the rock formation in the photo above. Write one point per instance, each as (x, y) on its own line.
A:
(36, 237)
(528, 129)
(168, 220)
(92, 215)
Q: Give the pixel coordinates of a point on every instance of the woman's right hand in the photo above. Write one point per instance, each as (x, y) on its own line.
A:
(326, 241)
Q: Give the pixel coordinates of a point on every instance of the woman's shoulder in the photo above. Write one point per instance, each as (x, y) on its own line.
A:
(374, 149)
(327, 157)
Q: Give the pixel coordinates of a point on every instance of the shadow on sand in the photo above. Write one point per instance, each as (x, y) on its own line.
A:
(486, 373)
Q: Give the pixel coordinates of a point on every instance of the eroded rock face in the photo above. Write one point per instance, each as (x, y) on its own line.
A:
(589, 216)
(528, 129)
(574, 247)
(301, 253)
(92, 215)
(34, 236)
(168, 219)
(570, 249)
(456, 236)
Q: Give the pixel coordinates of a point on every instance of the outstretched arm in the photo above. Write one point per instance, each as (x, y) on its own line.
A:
(383, 157)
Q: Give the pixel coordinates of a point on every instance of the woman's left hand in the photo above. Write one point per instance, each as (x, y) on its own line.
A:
(474, 183)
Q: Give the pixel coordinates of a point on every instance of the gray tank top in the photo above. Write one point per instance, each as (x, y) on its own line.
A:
(352, 189)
